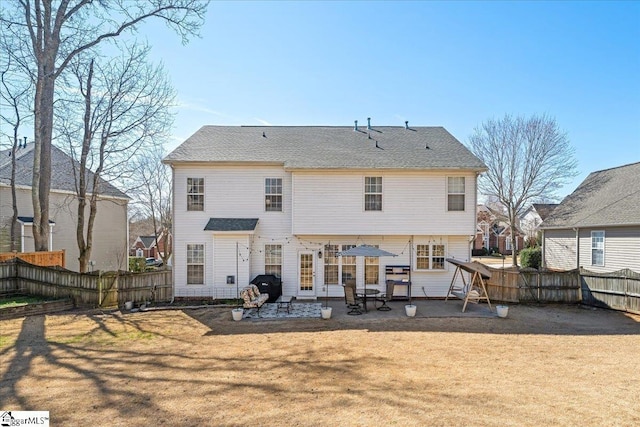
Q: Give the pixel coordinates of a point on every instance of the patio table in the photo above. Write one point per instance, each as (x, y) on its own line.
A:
(366, 294)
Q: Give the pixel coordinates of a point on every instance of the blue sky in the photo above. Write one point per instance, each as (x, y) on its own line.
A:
(451, 64)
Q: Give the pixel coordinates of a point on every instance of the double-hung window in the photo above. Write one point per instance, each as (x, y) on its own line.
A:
(371, 270)
(373, 193)
(195, 264)
(273, 260)
(430, 257)
(195, 194)
(348, 266)
(597, 248)
(331, 264)
(273, 194)
(455, 193)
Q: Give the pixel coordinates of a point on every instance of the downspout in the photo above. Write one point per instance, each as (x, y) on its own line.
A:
(544, 261)
(577, 230)
(173, 221)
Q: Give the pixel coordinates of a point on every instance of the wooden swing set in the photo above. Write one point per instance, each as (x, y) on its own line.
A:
(473, 291)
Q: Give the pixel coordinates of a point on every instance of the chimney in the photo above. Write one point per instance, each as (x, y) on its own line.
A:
(368, 122)
(406, 124)
(356, 125)
(25, 142)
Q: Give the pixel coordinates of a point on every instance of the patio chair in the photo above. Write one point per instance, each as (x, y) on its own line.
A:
(353, 303)
(387, 296)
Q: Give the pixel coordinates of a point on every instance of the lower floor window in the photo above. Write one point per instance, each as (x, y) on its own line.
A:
(273, 260)
(430, 257)
(195, 264)
(371, 270)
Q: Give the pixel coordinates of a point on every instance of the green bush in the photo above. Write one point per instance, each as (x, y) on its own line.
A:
(531, 257)
(137, 264)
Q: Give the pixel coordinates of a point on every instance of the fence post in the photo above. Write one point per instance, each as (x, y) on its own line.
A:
(99, 289)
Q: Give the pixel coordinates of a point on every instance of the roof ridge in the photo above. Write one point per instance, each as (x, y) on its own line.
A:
(616, 167)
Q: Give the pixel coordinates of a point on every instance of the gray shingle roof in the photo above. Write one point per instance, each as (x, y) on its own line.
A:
(61, 171)
(328, 147)
(544, 209)
(609, 197)
(231, 224)
(148, 241)
(29, 220)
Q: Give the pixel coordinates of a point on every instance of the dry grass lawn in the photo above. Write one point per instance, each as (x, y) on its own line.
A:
(553, 365)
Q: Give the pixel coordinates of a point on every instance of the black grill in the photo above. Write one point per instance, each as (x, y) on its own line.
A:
(270, 284)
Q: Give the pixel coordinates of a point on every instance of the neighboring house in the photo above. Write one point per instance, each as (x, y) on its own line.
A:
(110, 230)
(284, 200)
(145, 247)
(597, 227)
(493, 233)
(531, 219)
(149, 247)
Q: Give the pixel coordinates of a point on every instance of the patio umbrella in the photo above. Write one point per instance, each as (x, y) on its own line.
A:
(365, 250)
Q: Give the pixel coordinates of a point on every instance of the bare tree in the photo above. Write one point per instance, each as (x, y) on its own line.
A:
(528, 160)
(54, 32)
(124, 111)
(154, 193)
(14, 110)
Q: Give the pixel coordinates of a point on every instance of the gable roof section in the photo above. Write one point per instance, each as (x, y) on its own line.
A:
(61, 172)
(232, 224)
(544, 209)
(328, 147)
(147, 241)
(609, 197)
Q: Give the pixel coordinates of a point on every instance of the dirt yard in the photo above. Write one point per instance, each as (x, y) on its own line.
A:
(551, 365)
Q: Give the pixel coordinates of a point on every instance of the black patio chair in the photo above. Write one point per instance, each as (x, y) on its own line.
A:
(353, 303)
(387, 296)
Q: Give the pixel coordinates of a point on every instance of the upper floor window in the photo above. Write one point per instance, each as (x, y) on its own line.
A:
(195, 264)
(273, 194)
(597, 248)
(273, 260)
(430, 257)
(373, 193)
(455, 193)
(195, 194)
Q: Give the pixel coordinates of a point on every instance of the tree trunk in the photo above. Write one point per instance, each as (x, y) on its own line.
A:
(43, 122)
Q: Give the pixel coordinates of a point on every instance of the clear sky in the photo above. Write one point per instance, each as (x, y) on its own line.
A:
(451, 64)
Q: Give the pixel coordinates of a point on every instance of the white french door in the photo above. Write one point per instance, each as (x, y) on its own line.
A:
(306, 274)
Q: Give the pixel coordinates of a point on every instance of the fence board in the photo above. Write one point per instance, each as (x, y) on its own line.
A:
(44, 259)
(108, 289)
(619, 290)
(528, 285)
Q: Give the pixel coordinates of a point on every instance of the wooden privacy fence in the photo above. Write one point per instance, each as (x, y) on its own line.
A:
(44, 259)
(107, 289)
(619, 290)
(529, 285)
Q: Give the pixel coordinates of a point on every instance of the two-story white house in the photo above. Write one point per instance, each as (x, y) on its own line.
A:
(284, 200)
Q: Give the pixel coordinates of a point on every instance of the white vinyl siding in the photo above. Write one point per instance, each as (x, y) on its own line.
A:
(621, 249)
(455, 193)
(414, 203)
(597, 248)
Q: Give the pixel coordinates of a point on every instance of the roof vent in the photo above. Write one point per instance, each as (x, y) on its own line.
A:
(356, 125)
(264, 135)
(368, 122)
(406, 124)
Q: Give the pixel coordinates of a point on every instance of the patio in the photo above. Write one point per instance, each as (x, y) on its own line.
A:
(426, 308)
